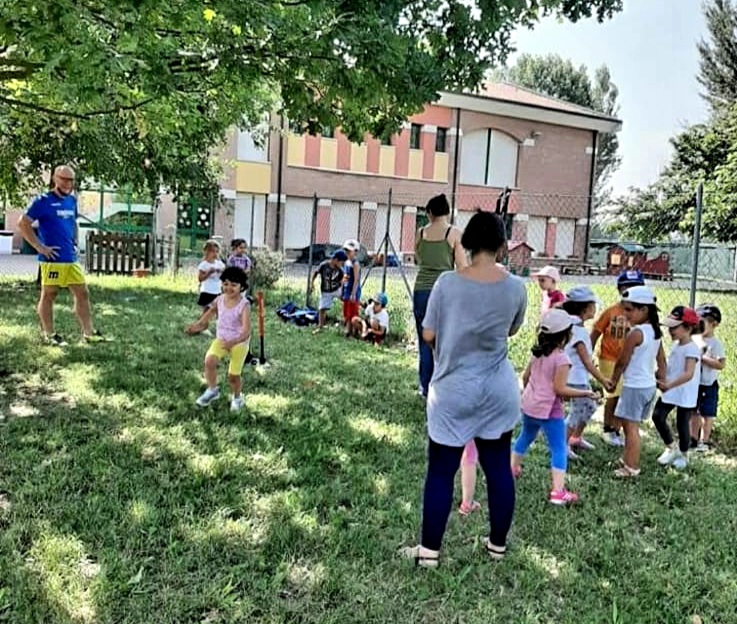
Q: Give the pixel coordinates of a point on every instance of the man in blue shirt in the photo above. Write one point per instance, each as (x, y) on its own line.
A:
(56, 243)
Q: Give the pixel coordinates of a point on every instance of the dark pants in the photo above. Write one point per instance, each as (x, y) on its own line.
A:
(442, 465)
(683, 420)
(420, 300)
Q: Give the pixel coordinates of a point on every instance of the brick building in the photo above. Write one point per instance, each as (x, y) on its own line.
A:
(469, 146)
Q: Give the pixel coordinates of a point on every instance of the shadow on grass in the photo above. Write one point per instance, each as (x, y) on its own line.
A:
(131, 505)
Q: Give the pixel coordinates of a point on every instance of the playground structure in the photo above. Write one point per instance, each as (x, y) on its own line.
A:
(625, 256)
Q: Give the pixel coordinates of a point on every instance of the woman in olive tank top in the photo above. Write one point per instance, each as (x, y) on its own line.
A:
(437, 249)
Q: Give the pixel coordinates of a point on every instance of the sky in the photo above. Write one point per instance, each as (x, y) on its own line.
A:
(650, 49)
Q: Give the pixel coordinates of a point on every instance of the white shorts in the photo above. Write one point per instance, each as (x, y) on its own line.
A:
(326, 299)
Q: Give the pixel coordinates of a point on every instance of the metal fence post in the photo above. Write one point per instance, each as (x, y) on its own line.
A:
(313, 232)
(696, 243)
(386, 241)
(253, 214)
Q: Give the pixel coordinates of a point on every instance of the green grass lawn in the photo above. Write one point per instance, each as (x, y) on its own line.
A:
(123, 503)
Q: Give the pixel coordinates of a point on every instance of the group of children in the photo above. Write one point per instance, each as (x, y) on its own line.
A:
(340, 278)
(631, 369)
(223, 295)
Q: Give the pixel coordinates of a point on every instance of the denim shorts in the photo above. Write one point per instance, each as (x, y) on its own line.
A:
(635, 404)
(708, 400)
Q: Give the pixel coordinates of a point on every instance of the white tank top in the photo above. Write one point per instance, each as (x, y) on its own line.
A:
(640, 372)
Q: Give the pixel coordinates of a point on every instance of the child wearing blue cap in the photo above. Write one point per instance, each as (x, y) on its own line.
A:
(581, 304)
(374, 326)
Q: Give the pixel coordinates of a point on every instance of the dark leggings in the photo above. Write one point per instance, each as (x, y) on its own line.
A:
(683, 420)
(442, 465)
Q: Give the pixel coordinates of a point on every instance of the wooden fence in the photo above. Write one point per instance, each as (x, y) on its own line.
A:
(119, 253)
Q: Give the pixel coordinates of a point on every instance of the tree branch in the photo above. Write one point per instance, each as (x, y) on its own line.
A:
(88, 115)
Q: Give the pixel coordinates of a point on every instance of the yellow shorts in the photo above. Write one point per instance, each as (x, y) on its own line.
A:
(607, 368)
(237, 355)
(61, 274)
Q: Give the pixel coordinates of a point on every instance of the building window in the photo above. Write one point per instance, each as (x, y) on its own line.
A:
(414, 136)
(441, 140)
(328, 132)
(489, 158)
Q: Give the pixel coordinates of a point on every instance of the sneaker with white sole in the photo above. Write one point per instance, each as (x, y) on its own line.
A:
(680, 462)
(703, 447)
(667, 456)
(562, 497)
(582, 443)
(612, 438)
(208, 396)
(572, 454)
(237, 404)
(55, 340)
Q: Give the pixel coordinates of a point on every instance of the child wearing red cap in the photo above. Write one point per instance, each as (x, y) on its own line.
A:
(680, 387)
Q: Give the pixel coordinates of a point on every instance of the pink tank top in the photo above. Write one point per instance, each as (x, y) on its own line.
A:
(229, 319)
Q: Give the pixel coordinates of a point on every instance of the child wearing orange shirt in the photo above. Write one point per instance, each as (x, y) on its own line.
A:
(612, 327)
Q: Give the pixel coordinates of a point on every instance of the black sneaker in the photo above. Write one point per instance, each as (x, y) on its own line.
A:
(694, 443)
(96, 337)
(56, 341)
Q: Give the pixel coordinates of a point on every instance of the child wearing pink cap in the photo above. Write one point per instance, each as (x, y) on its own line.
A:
(548, 278)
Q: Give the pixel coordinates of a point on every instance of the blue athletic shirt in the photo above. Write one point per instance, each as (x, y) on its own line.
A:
(57, 222)
(349, 278)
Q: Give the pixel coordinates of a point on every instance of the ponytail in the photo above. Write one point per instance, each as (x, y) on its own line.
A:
(547, 343)
(654, 320)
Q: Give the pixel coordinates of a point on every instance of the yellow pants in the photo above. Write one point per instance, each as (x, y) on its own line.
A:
(61, 274)
(607, 368)
(237, 355)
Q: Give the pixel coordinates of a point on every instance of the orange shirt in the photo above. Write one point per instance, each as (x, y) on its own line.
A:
(613, 327)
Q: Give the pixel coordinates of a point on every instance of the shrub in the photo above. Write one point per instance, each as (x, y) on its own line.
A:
(267, 269)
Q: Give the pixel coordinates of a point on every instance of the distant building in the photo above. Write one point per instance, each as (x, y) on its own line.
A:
(505, 136)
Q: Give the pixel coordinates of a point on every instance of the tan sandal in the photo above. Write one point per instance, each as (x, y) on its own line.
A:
(626, 472)
(424, 557)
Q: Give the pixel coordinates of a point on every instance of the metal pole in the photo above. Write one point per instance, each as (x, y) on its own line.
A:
(386, 241)
(456, 150)
(696, 243)
(253, 215)
(313, 230)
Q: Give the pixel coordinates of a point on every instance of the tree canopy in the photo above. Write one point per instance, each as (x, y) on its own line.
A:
(139, 91)
(705, 152)
(558, 77)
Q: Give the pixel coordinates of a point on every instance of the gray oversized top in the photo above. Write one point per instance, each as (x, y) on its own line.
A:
(474, 390)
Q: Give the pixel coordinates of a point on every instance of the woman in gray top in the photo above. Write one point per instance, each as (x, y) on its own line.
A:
(474, 392)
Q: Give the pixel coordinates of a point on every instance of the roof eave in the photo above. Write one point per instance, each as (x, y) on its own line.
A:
(531, 112)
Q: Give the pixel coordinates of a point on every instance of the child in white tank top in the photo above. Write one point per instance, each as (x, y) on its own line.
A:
(636, 365)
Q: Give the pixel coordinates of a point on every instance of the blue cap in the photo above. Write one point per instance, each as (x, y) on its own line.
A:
(633, 277)
(582, 294)
(339, 254)
(381, 299)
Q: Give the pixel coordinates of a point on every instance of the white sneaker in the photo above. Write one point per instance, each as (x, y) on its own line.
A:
(680, 462)
(612, 439)
(668, 456)
(208, 396)
(237, 404)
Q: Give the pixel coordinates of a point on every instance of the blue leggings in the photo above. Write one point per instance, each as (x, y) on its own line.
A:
(442, 465)
(555, 433)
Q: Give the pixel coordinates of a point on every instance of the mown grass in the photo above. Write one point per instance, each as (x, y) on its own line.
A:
(123, 503)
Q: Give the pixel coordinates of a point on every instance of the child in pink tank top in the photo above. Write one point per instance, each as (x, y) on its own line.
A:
(233, 335)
